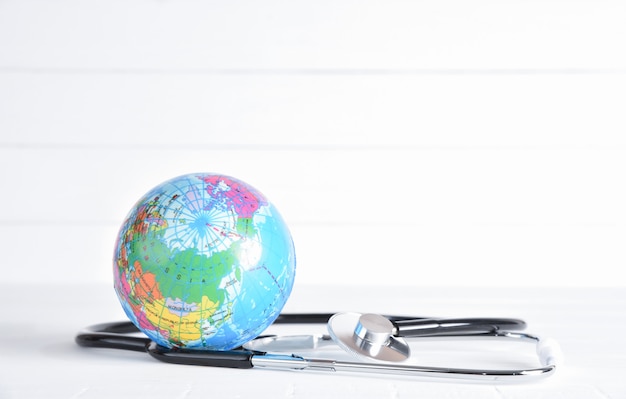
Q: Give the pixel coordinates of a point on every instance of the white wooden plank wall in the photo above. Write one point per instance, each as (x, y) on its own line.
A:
(406, 142)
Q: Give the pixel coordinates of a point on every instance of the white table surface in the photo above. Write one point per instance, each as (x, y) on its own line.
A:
(38, 357)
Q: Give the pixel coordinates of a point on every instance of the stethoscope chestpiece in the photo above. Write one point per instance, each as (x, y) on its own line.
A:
(369, 336)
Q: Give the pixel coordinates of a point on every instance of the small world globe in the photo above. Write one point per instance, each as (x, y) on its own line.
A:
(203, 261)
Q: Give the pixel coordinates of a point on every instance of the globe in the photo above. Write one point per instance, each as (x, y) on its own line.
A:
(203, 261)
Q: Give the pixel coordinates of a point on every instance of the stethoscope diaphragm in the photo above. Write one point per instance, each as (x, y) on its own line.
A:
(369, 336)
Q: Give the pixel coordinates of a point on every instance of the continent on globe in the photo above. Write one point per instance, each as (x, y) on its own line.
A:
(203, 261)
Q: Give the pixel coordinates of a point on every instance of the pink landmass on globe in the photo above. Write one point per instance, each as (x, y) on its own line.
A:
(244, 200)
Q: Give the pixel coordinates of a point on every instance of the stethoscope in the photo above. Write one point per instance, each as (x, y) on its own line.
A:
(380, 340)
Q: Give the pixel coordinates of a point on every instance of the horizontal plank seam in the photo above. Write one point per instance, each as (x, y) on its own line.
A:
(308, 71)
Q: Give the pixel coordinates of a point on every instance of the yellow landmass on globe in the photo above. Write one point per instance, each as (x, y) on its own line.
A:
(181, 326)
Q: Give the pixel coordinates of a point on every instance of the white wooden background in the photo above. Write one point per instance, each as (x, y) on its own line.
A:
(412, 143)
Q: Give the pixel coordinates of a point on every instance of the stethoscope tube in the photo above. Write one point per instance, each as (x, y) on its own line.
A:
(112, 335)
(425, 326)
(115, 335)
